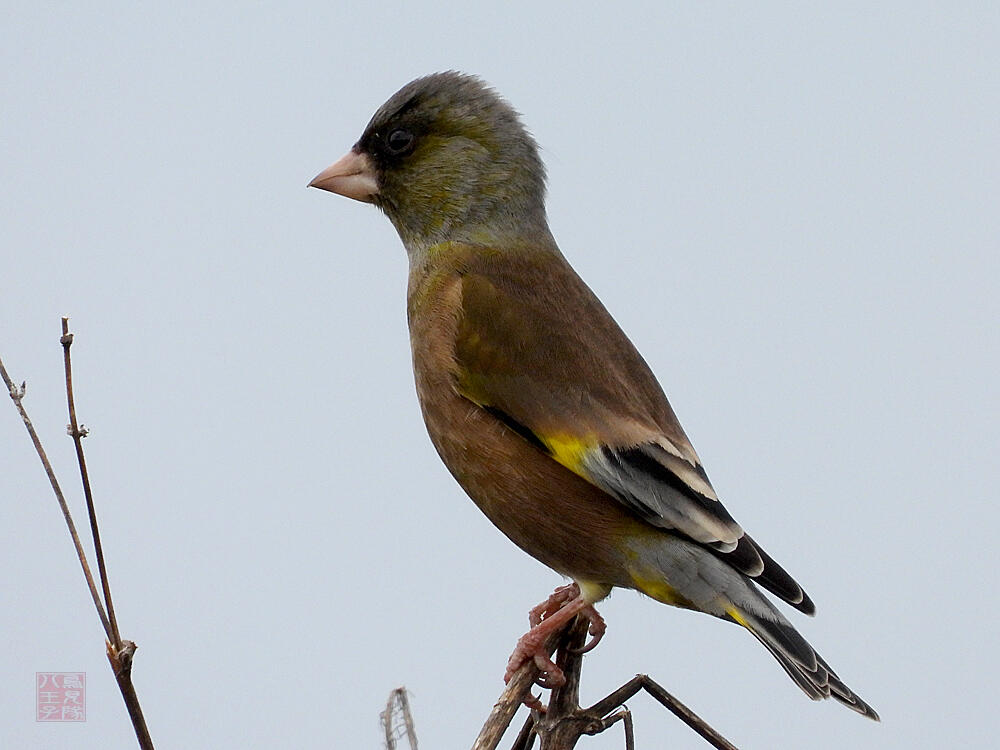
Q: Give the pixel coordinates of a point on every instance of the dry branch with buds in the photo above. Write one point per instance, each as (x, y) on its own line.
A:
(119, 651)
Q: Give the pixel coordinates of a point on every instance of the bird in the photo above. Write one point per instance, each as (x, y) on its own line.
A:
(535, 399)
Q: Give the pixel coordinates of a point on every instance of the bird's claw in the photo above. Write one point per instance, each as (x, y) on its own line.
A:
(549, 674)
(598, 627)
(545, 619)
(534, 702)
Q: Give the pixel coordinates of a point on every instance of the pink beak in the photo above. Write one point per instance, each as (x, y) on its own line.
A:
(353, 175)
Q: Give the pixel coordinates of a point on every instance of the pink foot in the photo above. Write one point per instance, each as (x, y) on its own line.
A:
(557, 599)
(549, 617)
(598, 627)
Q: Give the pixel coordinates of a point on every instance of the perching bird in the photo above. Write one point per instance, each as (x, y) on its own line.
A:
(535, 399)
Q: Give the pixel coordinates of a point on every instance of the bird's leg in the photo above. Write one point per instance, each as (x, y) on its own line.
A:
(547, 618)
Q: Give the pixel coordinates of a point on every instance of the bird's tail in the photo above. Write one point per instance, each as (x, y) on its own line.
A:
(684, 574)
(806, 668)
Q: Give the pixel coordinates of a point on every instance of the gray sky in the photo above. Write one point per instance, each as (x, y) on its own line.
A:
(792, 210)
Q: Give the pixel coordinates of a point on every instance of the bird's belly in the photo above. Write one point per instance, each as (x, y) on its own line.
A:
(548, 511)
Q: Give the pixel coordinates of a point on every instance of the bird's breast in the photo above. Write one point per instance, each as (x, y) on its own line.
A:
(548, 511)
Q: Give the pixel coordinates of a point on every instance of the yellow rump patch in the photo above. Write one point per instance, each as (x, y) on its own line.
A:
(660, 590)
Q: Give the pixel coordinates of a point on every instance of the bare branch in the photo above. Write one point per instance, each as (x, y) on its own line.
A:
(625, 717)
(386, 716)
(398, 705)
(120, 652)
(121, 665)
(563, 723)
(510, 700)
(77, 434)
(17, 395)
(685, 714)
(526, 737)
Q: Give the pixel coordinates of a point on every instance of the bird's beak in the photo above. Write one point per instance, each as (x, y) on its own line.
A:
(353, 175)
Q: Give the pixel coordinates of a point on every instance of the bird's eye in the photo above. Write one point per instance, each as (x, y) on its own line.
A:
(399, 142)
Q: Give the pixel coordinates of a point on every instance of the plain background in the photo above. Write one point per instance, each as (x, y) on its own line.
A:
(792, 210)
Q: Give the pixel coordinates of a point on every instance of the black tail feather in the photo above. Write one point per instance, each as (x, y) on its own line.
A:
(806, 668)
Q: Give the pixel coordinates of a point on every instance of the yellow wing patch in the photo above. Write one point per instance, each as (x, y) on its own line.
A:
(570, 450)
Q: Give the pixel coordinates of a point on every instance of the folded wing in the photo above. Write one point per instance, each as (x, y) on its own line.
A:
(538, 350)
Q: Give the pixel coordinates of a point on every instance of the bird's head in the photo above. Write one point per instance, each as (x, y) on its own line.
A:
(446, 158)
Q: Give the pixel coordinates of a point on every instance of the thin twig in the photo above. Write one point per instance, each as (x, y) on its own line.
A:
(120, 652)
(686, 715)
(398, 699)
(121, 665)
(565, 699)
(17, 395)
(77, 434)
(629, 729)
(411, 731)
(526, 737)
(626, 716)
(564, 722)
(390, 738)
(510, 700)
(682, 712)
